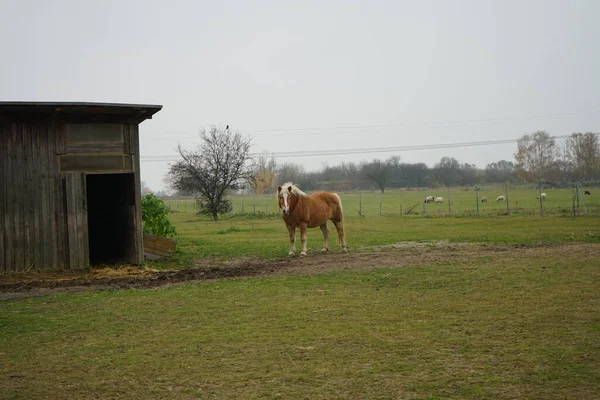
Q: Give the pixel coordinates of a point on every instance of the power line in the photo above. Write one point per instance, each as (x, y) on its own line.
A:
(320, 130)
(354, 151)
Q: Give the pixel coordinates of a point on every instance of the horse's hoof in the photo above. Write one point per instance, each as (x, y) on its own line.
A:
(291, 254)
(344, 250)
(303, 253)
(323, 250)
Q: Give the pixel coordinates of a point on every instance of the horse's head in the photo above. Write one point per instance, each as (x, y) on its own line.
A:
(286, 200)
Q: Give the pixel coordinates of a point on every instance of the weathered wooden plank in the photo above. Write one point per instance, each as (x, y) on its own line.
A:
(96, 163)
(60, 214)
(18, 196)
(82, 230)
(134, 147)
(8, 205)
(156, 247)
(53, 189)
(38, 244)
(60, 138)
(46, 237)
(71, 219)
(126, 138)
(120, 149)
(3, 162)
(138, 233)
(63, 223)
(77, 217)
(28, 194)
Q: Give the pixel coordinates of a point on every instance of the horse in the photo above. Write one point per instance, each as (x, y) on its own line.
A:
(428, 199)
(303, 211)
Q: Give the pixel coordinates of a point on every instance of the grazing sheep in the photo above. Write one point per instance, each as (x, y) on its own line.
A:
(587, 192)
(484, 199)
(543, 196)
(428, 199)
(439, 199)
(500, 198)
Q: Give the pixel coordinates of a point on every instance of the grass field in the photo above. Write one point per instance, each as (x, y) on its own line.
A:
(462, 202)
(493, 322)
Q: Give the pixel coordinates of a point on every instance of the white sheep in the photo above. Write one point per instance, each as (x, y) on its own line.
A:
(500, 198)
(439, 199)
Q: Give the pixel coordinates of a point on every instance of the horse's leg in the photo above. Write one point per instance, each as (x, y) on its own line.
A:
(339, 226)
(303, 229)
(325, 237)
(292, 231)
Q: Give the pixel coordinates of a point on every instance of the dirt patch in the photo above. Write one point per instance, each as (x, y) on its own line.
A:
(23, 285)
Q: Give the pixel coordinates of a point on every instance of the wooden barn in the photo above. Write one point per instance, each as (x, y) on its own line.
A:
(70, 185)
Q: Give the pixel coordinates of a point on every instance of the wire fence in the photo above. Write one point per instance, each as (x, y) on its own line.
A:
(448, 202)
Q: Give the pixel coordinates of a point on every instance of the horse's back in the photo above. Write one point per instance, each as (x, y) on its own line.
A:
(325, 206)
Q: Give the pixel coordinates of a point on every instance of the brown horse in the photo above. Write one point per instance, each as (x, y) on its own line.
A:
(303, 211)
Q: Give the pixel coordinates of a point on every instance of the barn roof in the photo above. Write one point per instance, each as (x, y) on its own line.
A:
(16, 111)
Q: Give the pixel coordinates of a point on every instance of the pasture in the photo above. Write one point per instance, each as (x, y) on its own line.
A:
(421, 308)
(521, 201)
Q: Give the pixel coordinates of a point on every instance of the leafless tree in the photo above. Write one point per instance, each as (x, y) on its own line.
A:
(219, 163)
(378, 172)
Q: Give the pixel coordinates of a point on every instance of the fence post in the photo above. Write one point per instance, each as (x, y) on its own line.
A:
(424, 208)
(380, 201)
(449, 208)
(401, 202)
(477, 200)
(541, 201)
(506, 196)
(360, 203)
(573, 201)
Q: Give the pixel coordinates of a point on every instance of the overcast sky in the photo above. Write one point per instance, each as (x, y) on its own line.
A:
(316, 75)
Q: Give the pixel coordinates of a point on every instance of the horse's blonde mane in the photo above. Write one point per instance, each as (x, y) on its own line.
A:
(295, 190)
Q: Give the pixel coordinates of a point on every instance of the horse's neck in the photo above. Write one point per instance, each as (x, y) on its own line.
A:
(301, 203)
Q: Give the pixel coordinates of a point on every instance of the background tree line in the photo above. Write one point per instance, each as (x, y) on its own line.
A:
(222, 162)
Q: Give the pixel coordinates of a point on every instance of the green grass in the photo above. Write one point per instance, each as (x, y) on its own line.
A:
(268, 238)
(462, 202)
(521, 325)
(504, 328)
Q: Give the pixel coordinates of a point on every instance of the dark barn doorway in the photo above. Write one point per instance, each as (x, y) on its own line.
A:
(111, 207)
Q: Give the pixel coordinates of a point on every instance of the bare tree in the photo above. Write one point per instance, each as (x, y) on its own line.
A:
(583, 153)
(378, 172)
(220, 163)
(290, 172)
(536, 155)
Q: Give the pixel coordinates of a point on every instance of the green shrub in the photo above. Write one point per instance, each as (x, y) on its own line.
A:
(154, 217)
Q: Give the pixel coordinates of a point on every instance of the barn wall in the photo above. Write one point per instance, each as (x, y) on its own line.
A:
(33, 202)
(43, 209)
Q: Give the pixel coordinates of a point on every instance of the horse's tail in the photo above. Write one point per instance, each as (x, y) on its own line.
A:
(341, 208)
(340, 224)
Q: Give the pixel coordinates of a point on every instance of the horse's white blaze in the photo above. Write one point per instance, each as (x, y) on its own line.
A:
(286, 207)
